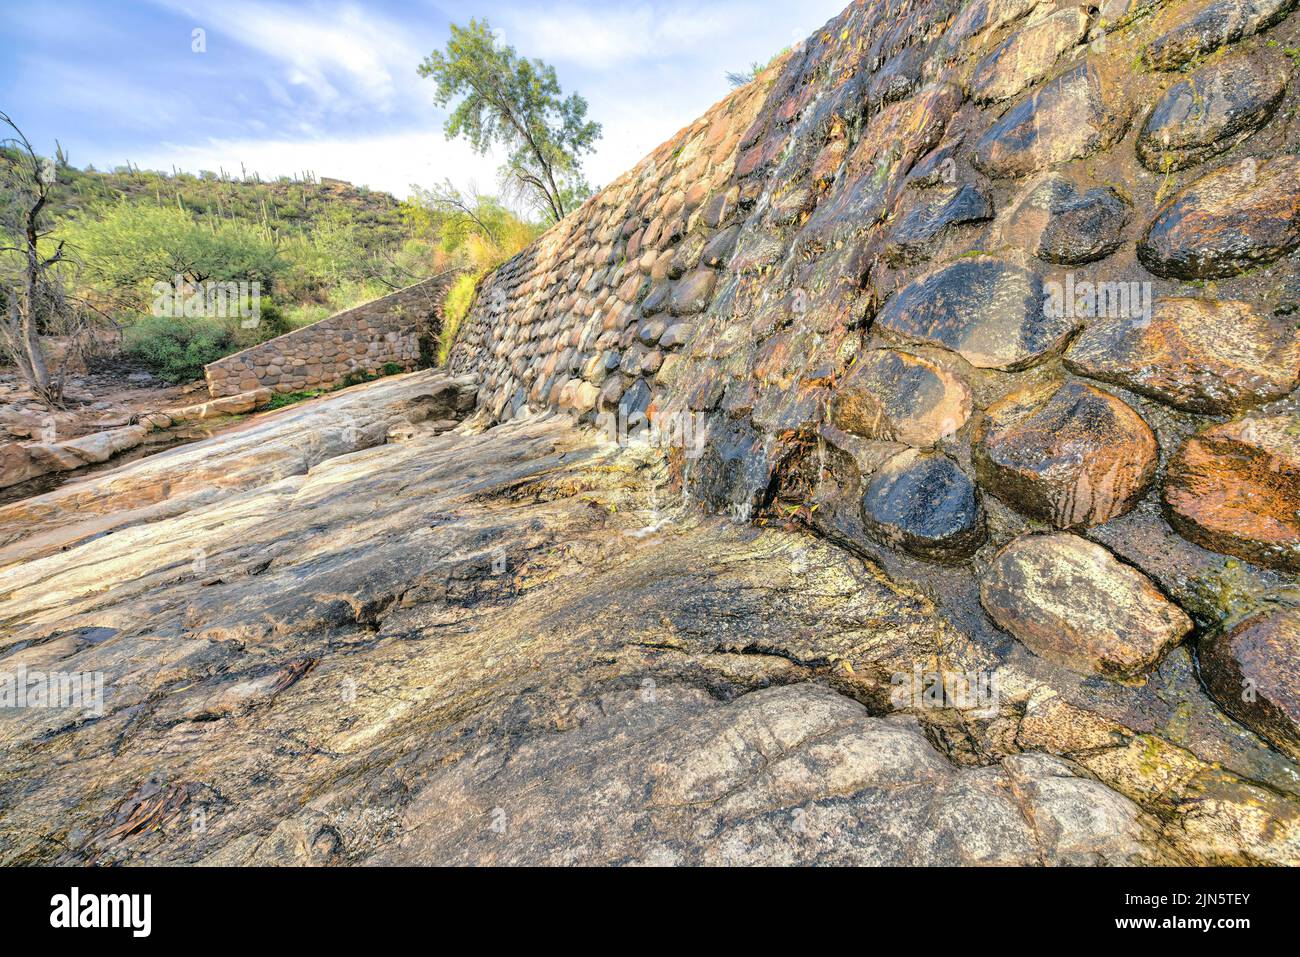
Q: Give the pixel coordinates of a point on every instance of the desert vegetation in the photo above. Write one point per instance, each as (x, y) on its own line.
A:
(314, 246)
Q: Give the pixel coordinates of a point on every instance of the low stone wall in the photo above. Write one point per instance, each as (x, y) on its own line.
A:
(361, 340)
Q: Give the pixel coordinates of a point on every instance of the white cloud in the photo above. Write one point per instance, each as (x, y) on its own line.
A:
(340, 53)
(334, 84)
(391, 163)
(615, 36)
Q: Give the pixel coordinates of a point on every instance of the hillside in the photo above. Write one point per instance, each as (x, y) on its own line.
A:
(286, 206)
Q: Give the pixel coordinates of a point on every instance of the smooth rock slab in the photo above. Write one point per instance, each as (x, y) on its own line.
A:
(1072, 116)
(1213, 110)
(895, 396)
(1235, 489)
(923, 503)
(781, 776)
(1194, 354)
(1243, 215)
(1211, 26)
(987, 310)
(1073, 602)
(1253, 671)
(1072, 455)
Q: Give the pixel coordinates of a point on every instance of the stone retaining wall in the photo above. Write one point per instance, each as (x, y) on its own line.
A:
(361, 340)
(954, 273)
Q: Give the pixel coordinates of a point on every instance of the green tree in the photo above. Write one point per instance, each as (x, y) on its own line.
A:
(517, 102)
(475, 226)
(131, 247)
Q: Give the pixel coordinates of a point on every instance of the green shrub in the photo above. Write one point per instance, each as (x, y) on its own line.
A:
(283, 399)
(272, 322)
(459, 299)
(307, 313)
(178, 349)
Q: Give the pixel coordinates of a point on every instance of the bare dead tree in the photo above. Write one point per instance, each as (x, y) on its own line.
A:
(33, 294)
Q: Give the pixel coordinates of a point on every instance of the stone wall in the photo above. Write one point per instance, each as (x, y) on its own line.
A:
(873, 243)
(361, 340)
(1001, 293)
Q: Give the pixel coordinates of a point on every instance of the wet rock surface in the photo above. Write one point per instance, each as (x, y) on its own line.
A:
(1209, 25)
(935, 212)
(1064, 223)
(1240, 216)
(897, 396)
(1235, 488)
(925, 504)
(1074, 115)
(1213, 357)
(1212, 110)
(1253, 671)
(1071, 455)
(512, 641)
(514, 655)
(1071, 600)
(1026, 56)
(988, 311)
(840, 190)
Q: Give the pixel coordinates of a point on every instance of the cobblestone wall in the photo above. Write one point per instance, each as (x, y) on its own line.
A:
(1001, 291)
(361, 340)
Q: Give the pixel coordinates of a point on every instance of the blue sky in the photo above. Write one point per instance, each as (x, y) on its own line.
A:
(330, 85)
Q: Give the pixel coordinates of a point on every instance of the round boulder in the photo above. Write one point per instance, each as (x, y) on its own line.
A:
(923, 503)
(1253, 672)
(896, 396)
(1062, 222)
(1235, 489)
(1199, 355)
(1213, 110)
(1243, 215)
(1072, 455)
(1026, 56)
(989, 311)
(1071, 601)
(1074, 115)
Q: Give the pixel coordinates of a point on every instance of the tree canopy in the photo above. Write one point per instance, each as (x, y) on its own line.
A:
(131, 247)
(517, 102)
